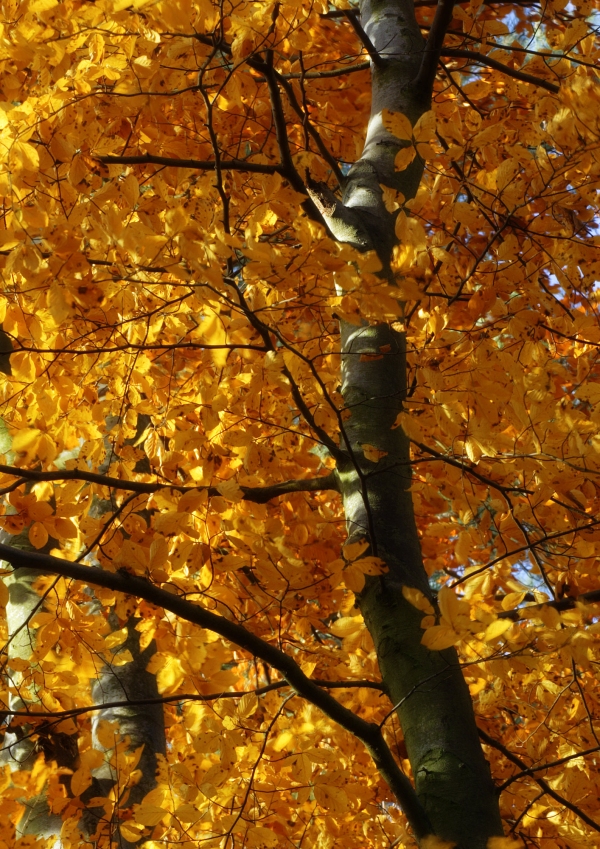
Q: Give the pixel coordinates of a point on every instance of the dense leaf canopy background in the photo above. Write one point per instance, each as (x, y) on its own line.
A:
(173, 311)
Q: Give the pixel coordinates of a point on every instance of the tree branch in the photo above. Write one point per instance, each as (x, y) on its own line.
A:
(367, 732)
(543, 785)
(433, 47)
(568, 603)
(258, 495)
(351, 17)
(459, 53)
(558, 762)
(288, 169)
(335, 72)
(312, 130)
(189, 697)
(458, 465)
(198, 164)
(132, 346)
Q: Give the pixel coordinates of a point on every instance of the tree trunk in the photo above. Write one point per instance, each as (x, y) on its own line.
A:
(452, 777)
(434, 707)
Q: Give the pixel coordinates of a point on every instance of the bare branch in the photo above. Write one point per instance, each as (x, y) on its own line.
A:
(367, 732)
(451, 461)
(198, 164)
(323, 150)
(132, 346)
(189, 697)
(288, 169)
(335, 72)
(433, 48)
(459, 53)
(568, 603)
(258, 495)
(559, 762)
(351, 17)
(543, 785)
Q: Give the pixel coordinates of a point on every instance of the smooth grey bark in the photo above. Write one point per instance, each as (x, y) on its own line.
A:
(452, 777)
(143, 725)
(21, 747)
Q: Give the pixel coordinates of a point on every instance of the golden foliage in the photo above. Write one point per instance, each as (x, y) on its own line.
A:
(158, 333)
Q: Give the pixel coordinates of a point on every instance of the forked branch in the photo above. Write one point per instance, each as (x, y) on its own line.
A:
(367, 732)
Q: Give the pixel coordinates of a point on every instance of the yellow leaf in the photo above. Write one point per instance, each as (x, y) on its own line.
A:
(404, 157)
(354, 578)
(425, 151)
(451, 607)
(495, 629)
(116, 638)
(65, 528)
(247, 705)
(38, 535)
(159, 551)
(230, 490)
(132, 831)
(283, 740)
(439, 637)
(397, 124)
(473, 449)
(417, 599)
(26, 440)
(121, 658)
(259, 836)
(347, 625)
(4, 596)
(372, 453)
(332, 799)
(168, 670)
(81, 780)
(431, 841)
(353, 550)
(213, 331)
(107, 733)
(370, 565)
(131, 190)
(424, 129)
(25, 157)
(150, 815)
(441, 255)
(187, 813)
(512, 600)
